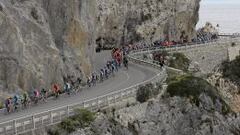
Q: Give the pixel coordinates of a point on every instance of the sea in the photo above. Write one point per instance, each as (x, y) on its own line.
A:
(225, 13)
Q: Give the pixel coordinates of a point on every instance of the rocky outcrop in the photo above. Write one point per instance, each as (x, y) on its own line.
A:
(168, 116)
(227, 89)
(127, 21)
(42, 41)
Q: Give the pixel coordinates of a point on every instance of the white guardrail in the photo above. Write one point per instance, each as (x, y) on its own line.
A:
(230, 34)
(52, 117)
(184, 47)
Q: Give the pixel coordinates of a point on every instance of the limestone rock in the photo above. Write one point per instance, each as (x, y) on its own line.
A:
(169, 116)
(125, 21)
(43, 41)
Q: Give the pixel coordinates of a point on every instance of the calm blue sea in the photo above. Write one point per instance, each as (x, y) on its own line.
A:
(226, 14)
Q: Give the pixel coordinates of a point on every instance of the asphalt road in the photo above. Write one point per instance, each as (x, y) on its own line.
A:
(123, 79)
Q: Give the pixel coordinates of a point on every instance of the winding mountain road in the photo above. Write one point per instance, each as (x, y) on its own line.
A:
(124, 83)
(123, 79)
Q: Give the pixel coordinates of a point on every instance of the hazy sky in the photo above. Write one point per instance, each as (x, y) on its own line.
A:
(220, 1)
(226, 13)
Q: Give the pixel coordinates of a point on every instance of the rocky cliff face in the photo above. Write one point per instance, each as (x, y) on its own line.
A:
(41, 41)
(167, 116)
(127, 21)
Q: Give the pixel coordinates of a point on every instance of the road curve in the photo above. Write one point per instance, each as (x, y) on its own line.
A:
(123, 79)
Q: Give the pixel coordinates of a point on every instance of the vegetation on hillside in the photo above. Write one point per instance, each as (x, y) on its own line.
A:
(231, 70)
(81, 119)
(192, 87)
(179, 61)
(175, 60)
(1, 105)
(147, 92)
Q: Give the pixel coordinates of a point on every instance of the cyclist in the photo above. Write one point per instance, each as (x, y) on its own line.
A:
(8, 103)
(89, 81)
(113, 68)
(44, 94)
(125, 62)
(16, 100)
(68, 88)
(36, 96)
(115, 63)
(56, 90)
(94, 79)
(101, 75)
(106, 72)
(25, 100)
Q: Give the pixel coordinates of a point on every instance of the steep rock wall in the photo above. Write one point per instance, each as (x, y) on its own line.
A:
(128, 21)
(42, 41)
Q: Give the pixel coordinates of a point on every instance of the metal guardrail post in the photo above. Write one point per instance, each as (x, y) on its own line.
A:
(51, 117)
(108, 103)
(97, 100)
(115, 100)
(68, 111)
(4, 130)
(41, 121)
(83, 104)
(60, 116)
(121, 96)
(15, 127)
(33, 122)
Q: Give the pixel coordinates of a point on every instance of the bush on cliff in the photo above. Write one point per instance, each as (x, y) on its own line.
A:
(1, 105)
(84, 117)
(231, 70)
(69, 125)
(179, 61)
(192, 87)
(81, 119)
(147, 92)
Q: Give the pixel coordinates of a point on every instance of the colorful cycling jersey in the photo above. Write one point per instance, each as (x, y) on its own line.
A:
(15, 99)
(68, 86)
(36, 93)
(25, 96)
(7, 102)
(56, 88)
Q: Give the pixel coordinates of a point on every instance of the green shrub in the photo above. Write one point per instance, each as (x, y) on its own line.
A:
(1, 105)
(146, 92)
(81, 119)
(84, 117)
(69, 125)
(192, 87)
(53, 131)
(180, 61)
(231, 70)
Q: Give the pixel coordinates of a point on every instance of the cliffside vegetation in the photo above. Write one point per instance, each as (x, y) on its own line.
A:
(193, 87)
(179, 61)
(1, 105)
(231, 70)
(147, 92)
(175, 60)
(81, 119)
